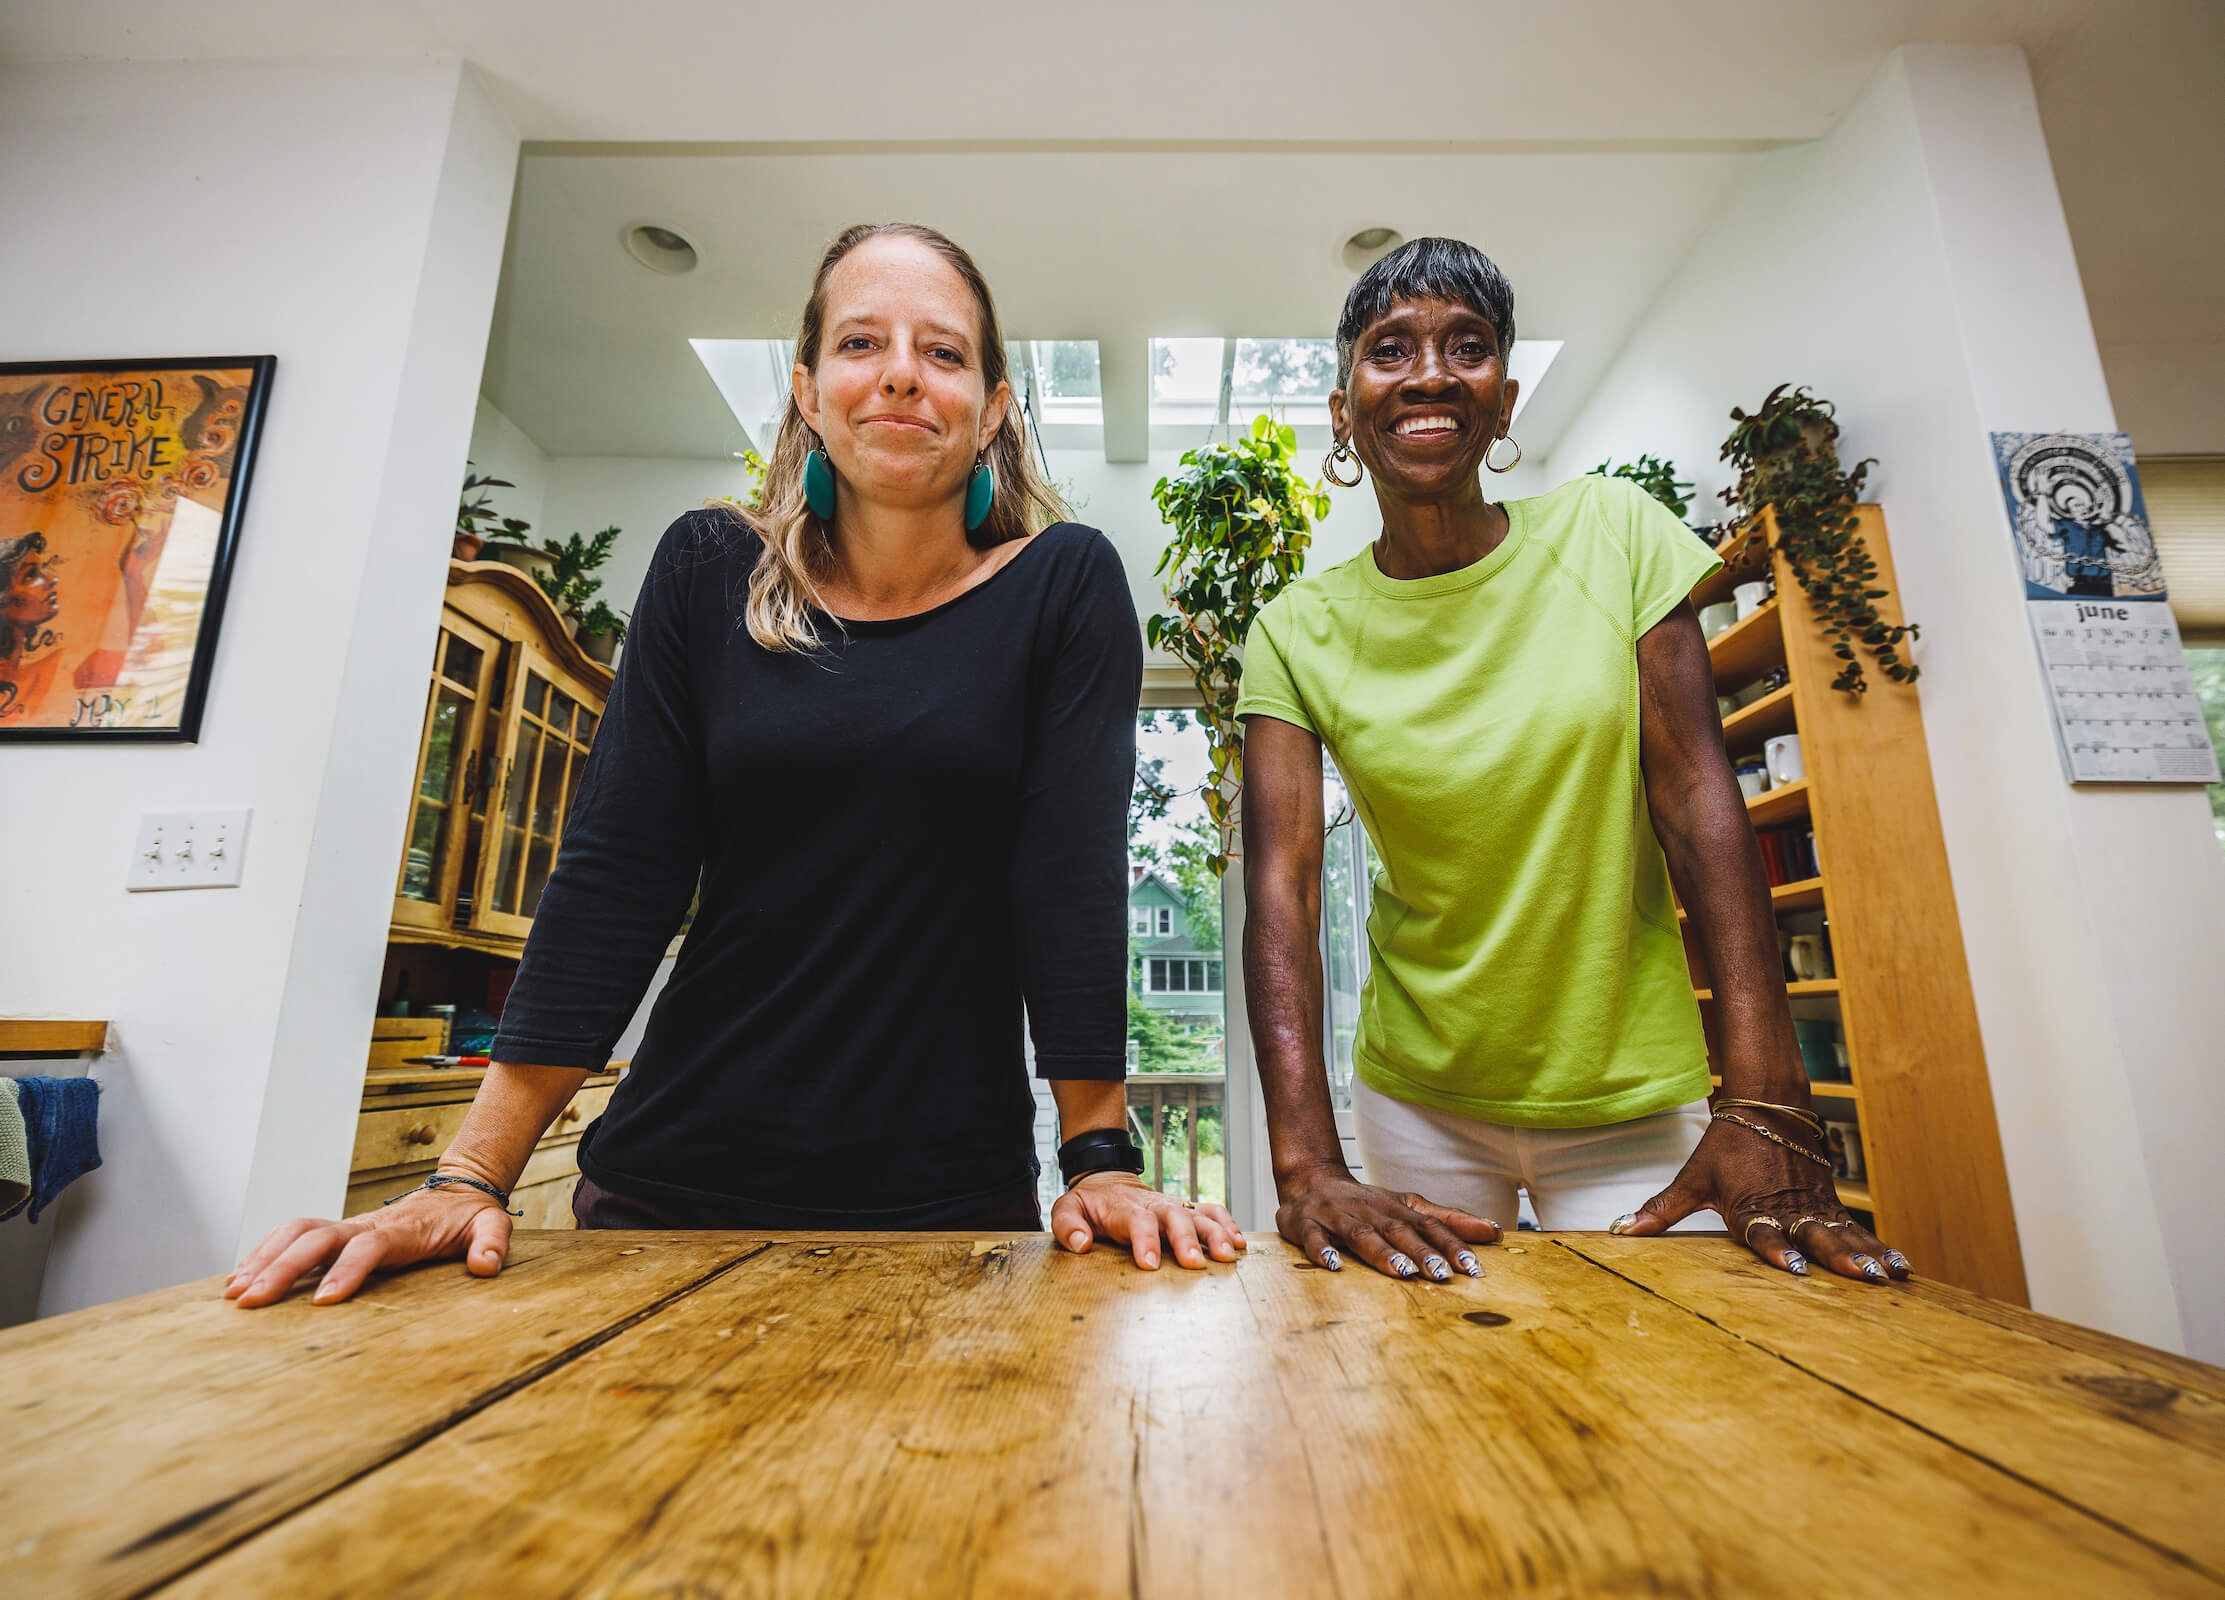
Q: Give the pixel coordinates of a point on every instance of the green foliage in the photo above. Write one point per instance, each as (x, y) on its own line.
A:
(1787, 456)
(475, 516)
(753, 467)
(1242, 516)
(1163, 1044)
(1657, 477)
(599, 618)
(570, 583)
(2208, 667)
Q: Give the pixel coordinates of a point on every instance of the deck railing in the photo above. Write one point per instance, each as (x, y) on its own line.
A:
(1151, 1095)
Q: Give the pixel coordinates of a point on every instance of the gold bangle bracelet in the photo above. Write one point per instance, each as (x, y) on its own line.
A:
(1802, 1112)
(1754, 1127)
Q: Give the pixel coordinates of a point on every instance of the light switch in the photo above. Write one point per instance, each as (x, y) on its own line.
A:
(188, 850)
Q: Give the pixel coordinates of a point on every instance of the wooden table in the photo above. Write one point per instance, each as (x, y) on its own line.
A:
(711, 1415)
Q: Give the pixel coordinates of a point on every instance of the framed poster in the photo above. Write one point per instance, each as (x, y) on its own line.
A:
(122, 485)
(2124, 702)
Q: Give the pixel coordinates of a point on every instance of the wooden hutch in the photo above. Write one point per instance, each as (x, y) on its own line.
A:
(510, 714)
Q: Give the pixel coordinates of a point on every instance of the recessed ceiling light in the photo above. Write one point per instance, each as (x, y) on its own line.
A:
(1368, 246)
(659, 249)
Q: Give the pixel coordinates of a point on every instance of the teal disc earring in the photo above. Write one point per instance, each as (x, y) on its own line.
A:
(981, 493)
(818, 484)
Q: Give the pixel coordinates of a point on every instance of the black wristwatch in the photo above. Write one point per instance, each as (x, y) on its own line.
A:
(1098, 1150)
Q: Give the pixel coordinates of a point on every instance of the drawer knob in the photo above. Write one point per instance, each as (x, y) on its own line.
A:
(423, 1133)
(569, 1114)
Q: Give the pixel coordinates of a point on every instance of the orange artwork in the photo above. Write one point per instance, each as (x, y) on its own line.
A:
(121, 489)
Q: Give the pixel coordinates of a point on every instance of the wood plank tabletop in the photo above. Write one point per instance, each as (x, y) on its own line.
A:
(700, 1415)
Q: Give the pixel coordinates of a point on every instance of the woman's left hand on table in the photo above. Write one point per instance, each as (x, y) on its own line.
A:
(1121, 1209)
(1783, 1207)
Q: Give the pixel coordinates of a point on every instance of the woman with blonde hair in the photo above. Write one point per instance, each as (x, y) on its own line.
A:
(887, 720)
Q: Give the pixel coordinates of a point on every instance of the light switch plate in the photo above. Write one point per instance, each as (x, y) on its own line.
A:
(188, 850)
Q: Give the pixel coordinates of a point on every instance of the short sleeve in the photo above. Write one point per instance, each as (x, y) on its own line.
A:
(1667, 559)
(1266, 688)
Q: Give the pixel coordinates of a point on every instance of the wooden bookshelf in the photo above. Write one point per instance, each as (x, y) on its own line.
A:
(1935, 1180)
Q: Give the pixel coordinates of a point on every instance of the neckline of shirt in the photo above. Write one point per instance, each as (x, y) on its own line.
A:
(1475, 572)
(911, 619)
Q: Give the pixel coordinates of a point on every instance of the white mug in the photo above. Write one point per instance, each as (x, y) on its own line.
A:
(1715, 618)
(1753, 781)
(1750, 598)
(1783, 757)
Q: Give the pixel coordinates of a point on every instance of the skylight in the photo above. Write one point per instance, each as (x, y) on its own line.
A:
(1059, 379)
(752, 377)
(1206, 382)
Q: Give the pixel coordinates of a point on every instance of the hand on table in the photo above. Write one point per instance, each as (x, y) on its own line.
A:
(437, 1224)
(1400, 1235)
(1779, 1204)
(1122, 1209)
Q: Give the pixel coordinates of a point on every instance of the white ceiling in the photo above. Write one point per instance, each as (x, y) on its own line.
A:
(1169, 167)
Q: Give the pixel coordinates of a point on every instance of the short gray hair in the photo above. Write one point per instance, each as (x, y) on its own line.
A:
(1426, 269)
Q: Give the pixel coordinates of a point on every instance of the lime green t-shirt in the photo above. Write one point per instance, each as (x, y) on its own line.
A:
(1525, 967)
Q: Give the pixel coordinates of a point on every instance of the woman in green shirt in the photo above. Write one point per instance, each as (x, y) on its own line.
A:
(1519, 699)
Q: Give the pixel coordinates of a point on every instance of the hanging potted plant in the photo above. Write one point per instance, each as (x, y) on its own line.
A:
(1787, 455)
(1242, 517)
(476, 521)
(569, 580)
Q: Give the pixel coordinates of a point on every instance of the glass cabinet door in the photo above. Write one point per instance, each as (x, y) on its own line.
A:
(546, 735)
(450, 772)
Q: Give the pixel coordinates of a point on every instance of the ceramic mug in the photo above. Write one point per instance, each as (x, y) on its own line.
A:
(1782, 756)
(1753, 778)
(1809, 962)
(1715, 618)
(1724, 706)
(1749, 598)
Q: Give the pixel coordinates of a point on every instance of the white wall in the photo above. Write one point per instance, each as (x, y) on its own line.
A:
(349, 219)
(1914, 267)
(638, 494)
(500, 449)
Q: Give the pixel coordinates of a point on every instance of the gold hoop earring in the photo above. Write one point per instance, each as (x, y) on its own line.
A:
(1342, 452)
(1511, 465)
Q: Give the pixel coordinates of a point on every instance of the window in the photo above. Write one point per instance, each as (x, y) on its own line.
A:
(1166, 922)
(1139, 920)
(1060, 380)
(2208, 667)
(1211, 382)
(1347, 868)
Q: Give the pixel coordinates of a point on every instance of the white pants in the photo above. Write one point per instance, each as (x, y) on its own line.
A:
(1576, 1178)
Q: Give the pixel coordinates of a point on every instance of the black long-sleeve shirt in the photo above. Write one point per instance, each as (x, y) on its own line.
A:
(900, 837)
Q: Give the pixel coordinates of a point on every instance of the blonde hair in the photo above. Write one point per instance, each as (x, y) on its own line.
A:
(784, 586)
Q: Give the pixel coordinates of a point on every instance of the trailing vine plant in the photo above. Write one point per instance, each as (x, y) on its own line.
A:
(1242, 516)
(1657, 477)
(1787, 456)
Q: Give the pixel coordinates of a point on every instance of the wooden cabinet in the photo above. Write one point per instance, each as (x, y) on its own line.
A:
(410, 1114)
(1898, 989)
(510, 715)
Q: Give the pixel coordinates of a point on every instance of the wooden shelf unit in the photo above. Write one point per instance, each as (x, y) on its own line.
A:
(1935, 1180)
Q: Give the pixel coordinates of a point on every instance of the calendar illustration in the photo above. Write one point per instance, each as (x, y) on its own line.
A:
(2125, 707)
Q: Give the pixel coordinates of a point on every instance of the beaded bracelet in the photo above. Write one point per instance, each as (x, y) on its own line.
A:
(439, 1180)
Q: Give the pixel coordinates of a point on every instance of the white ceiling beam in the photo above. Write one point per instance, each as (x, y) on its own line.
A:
(1123, 373)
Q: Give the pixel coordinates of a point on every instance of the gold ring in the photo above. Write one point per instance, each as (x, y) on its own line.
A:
(1793, 1232)
(1748, 1235)
(1189, 1205)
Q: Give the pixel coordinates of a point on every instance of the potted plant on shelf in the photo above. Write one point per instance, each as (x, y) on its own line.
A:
(1657, 477)
(1242, 516)
(600, 630)
(476, 521)
(1787, 455)
(570, 580)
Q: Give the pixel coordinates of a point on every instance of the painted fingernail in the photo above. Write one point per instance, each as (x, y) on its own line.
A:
(1869, 1266)
(1893, 1258)
(1796, 1262)
(1622, 1224)
(1403, 1266)
(1470, 1265)
(1439, 1268)
(1333, 1261)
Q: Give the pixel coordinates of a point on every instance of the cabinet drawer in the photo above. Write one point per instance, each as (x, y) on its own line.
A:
(420, 1133)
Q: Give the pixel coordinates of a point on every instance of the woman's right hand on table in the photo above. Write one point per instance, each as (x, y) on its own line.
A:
(435, 1225)
(1400, 1235)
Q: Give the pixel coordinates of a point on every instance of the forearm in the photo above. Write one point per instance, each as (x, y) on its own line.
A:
(1715, 863)
(1088, 1103)
(512, 1109)
(1282, 996)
